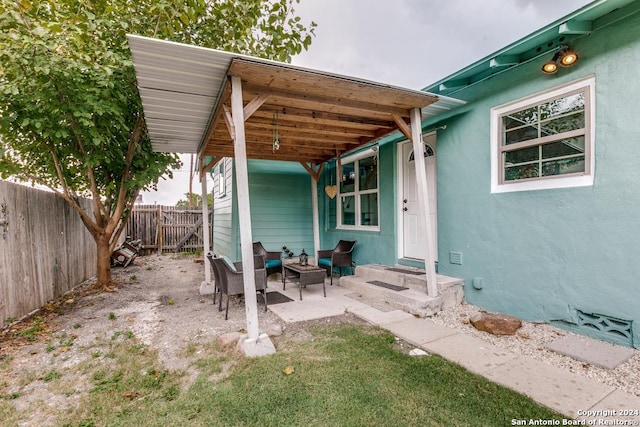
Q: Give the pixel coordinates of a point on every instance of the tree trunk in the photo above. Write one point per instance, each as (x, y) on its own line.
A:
(103, 263)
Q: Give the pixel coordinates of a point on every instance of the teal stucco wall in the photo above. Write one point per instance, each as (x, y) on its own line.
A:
(544, 254)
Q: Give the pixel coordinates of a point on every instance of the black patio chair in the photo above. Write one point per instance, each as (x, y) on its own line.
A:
(272, 259)
(232, 280)
(338, 257)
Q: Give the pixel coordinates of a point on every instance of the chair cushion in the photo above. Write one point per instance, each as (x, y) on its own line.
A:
(270, 263)
(228, 261)
(325, 262)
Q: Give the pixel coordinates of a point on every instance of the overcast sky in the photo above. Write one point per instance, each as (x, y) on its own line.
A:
(409, 43)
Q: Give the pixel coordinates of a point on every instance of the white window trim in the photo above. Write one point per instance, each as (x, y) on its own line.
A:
(549, 183)
(222, 179)
(350, 159)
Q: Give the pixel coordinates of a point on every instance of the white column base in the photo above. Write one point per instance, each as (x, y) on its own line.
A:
(206, 288)
(251, 347)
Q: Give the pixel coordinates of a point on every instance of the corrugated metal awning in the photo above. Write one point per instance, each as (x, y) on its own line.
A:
(184, 91)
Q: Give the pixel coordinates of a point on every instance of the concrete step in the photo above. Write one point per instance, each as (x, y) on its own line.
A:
(384, 273)
(413, 301)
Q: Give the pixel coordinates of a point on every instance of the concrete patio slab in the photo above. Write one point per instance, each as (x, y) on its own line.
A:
(313, 304)
(591, 351)
(418, 331)
(616, 406)
(378, 317)
(474, 354)
(563, 391)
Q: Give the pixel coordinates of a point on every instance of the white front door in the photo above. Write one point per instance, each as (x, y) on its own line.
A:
(413, 228)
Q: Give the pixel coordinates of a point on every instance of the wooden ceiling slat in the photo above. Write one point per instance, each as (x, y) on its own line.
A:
(324, 102)
(296, 115)
(288, 125)
(254, 134)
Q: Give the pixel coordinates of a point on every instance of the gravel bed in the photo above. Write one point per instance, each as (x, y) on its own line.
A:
(531, 339)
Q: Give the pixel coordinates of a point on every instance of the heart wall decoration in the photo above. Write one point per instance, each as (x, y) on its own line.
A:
(331, 190)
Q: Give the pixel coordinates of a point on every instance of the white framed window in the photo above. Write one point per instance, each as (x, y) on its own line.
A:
(545, 141)
(222, 180)
(358, 202)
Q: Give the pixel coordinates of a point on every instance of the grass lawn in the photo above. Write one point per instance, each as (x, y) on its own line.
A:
(346, 375)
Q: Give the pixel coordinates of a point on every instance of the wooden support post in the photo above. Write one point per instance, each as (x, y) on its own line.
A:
(423, 200)
(244, 208)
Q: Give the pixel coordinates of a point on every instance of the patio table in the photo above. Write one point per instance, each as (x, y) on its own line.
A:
(303, 275)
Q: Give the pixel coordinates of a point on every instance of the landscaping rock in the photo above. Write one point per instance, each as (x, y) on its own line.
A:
(496, 324)
(229, 340)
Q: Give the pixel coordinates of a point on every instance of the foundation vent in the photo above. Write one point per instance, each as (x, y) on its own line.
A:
(455, 257)
(608, 328)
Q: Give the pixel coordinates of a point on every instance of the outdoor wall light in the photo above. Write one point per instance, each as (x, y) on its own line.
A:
(565, 57)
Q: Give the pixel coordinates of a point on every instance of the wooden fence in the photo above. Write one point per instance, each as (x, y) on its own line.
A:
(167, 228)
(45, 249)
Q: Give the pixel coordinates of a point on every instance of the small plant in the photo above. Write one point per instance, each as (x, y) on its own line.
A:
(133, 277)
(10, 320)
(95, 354)
(52, 375)
(10, 396)
(77, 326)
(50, 348)
(36, 327)
(112, 316)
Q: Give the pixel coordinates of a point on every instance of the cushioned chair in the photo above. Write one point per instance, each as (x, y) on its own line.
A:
(338, 257)
(231, 280)
(272, 259)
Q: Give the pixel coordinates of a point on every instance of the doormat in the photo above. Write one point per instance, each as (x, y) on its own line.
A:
(388, 285)
(402, 270)
(275, 298)
(592, 351)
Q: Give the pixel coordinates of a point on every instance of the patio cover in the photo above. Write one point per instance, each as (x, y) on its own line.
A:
(218, 104)
(185, 90)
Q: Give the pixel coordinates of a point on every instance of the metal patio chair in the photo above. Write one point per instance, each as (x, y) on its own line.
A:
(231, 279)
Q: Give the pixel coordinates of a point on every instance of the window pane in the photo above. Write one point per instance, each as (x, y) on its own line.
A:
(519, 118)
(565, 147)
(562, 106)
(368, 173)
(348, 178)
(563, 166)
(523, 155)
(563, 124)
(369, 209)
(521, 134)
(348, 210)
(521, 172)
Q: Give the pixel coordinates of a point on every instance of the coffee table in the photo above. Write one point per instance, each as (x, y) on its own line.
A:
(303, 275)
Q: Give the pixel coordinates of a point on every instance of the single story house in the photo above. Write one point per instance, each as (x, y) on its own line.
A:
(530, 172)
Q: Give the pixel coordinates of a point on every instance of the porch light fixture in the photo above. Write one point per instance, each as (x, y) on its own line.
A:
(565, 57)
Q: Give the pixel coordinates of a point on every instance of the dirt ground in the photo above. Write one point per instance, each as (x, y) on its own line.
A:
(157, 298)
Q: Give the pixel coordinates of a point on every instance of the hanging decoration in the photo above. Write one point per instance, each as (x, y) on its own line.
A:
(276, 143)
(332, 189)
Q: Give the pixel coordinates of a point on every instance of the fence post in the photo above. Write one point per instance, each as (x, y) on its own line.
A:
(160, 231)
